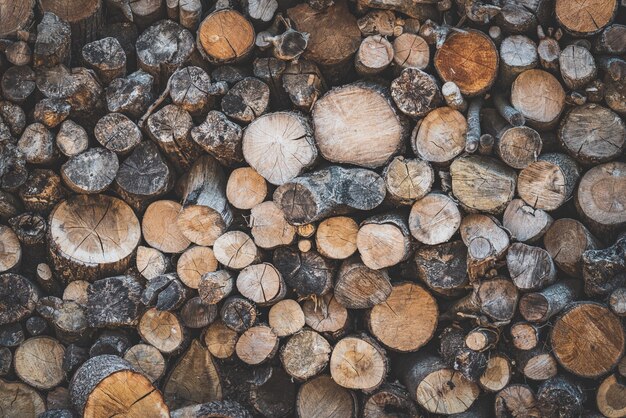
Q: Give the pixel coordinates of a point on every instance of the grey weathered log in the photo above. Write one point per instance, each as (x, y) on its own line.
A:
(53, 45)
(106, 57)
(92, 171)
(130, 95)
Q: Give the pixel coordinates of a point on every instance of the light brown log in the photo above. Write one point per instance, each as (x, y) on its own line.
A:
(10, 249)
(377, 22)
(336, 237)
(37, 144)
(577, 66)
(482, 183)
(257, 345)
(516, 399)
(235, 249)
(343, 121)
(407, 320)
(434, 219)
(194, 263)
(100, 387)
(245, 188)
(610, 397)
(357, 362)
(566, 241)
(408, 180)
(220, 340)
(536, 364)
(541, 306)
(531, 268)
(147, 360)
(304, 83)
(326, 315)
(150, 262)
(322, 397)
(525, 336)
(525, 223)
(498, 373)
(539, 96)
(286, 317)
(588, 339)
(411, 51)
(97, 243)
(269, 228)
(76, 291)
(261, 283)
(484, 237)
(20, 400)
(163, 330)
(194, 379)
(600, 198)
(496, 299)
(441, 136)
(587, 18)
(518, 53)
(359, 287)
(549, 182)
(383, 241)
(470, 59)
(225, 36)
(71, 139)
(160, 229)
(38, 362)
(305, 355)
(373, 56)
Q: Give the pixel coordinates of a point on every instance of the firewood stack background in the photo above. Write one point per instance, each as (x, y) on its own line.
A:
(331, 208)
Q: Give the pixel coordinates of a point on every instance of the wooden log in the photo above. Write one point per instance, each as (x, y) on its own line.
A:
(325, 192)
(539, 96)
(179, 390)
(147, 360)
(186, 12)
(587, 19)
(197, 314)
(516, 399)
(377, 22)
(480, 74)
(169, 128)
(601, 143)
(304, 84)
(603, 269)
(38, 362)
(106, 57)
(305, 355)
(261, 283)
(165, 292)
(434, 219)
(108, 342)
(143, 176)
(279, 146)
(373, 56)
(245, 188)
(482, 183)
(560, 396)
(436, 388)
(495, 300)
(326, 315)
(524, 335)
(51, 112)
(163, 330)
(409, 308)
(602, 215)
(577, 66)
(13, 117)
(16, 18)
(117, 133)
(10, 249)
(336, 237)
(163, 48)
(342, 122)
(411, 51)
(269, 227)
(408, 180)
(359, 287)
(525, 223)
(609, 397)
(566, 241)
(18, 83)
(443, 268)
(589, 347)
(384, 241)
(235, 249)
(416, 93)
(389, 397)
(542, 305)
(90, 172)
(37, 145)
(89, 251)
(307, 273)
(518, 53)
(484, 238)
(76, 291)
(456, 355)
(220, 340)
(14, 172)
(225, 36)
(53, 44)
(194, 263)
(215, 286)
(517, 146)
(536, 364)
(130, 95)
(160, 229)
(206, 214)
(498, 373)
(549, 182)
(246, 100)
(531, 268)
(441, 136)
(113, 301)
(335, 22)
(150, 262)
(257, 345)
(220, 137)
(85, 19)
(99, 387)
(321, 396)
(617, 301)
(286, 317)
(68, 318)
(191, 89)
(238, 314)
(18, 399)
(357, 362)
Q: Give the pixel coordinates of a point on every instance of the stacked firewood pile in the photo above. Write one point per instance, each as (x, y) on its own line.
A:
(337, 208)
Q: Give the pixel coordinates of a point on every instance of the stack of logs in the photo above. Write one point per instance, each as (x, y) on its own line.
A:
(338, 208)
